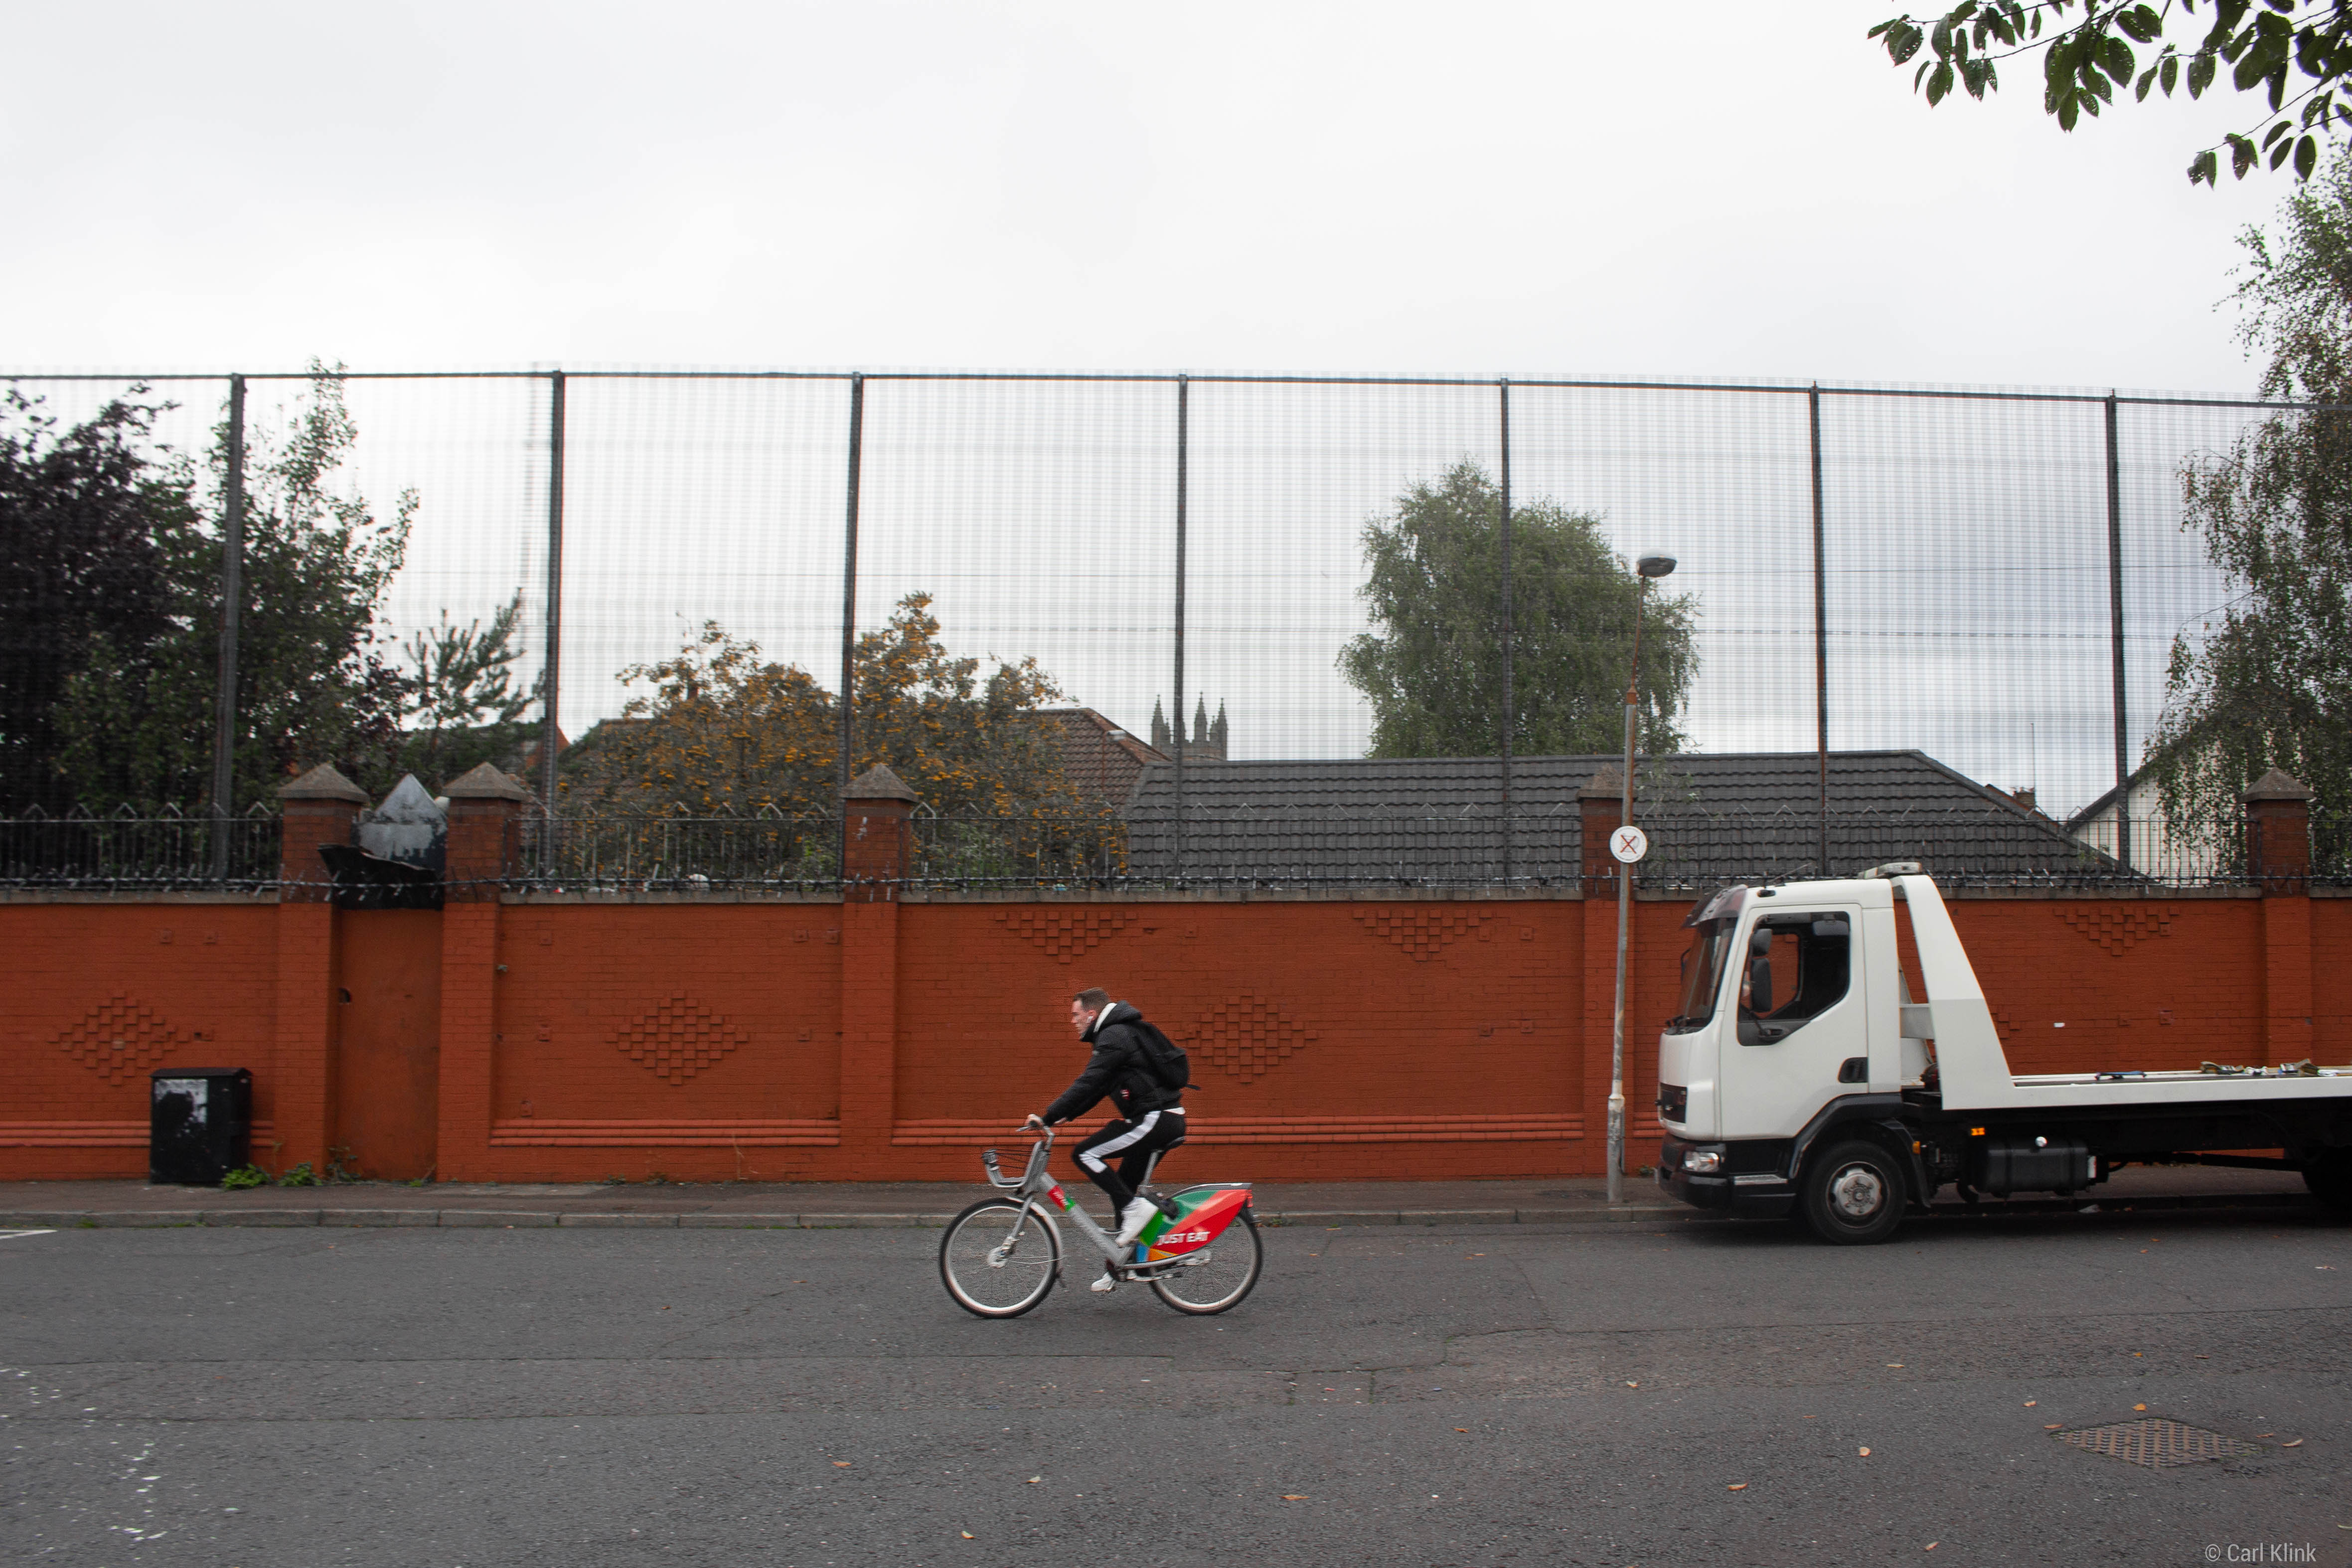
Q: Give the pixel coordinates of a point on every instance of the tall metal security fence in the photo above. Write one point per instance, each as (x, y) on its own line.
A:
(1155, 573)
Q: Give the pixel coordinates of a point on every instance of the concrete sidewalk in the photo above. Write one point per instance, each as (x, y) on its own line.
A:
(1555, 1201)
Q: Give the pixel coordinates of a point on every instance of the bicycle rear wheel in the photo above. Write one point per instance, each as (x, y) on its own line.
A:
(998, 1260)
(1228, 1273)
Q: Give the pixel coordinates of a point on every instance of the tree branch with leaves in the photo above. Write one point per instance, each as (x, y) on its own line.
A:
(2295, 53)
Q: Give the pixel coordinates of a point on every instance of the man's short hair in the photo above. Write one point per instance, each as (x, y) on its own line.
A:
(1094, 998)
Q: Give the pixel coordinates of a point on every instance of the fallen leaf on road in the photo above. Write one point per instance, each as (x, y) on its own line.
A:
(1866, 1453)
(2293, 1443)
(965, 1534)
(1032, 1481)
(2140, 1407)
(1737, 1486)
(841, 1464)
(2032, 1403)
(1462, 1428)
(1894, 1365)
(2051, 1427)
(1931, 1546)
(2265, 1433)
(1632, 1385)
(1294, 1497)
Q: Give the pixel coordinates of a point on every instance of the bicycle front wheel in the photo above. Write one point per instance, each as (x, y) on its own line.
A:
(998, 1259)
(1227, 1273)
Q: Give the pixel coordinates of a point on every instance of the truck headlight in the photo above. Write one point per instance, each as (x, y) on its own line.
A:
(1702, 1159)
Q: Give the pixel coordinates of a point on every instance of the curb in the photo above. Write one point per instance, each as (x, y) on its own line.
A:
(1591, 1217)
(514, 1219)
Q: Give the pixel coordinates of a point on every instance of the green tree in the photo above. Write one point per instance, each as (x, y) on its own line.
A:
(80, 571)
(463, 705)
(1432, 666)
(2271, 685)
(2294, 52)
(137, 721)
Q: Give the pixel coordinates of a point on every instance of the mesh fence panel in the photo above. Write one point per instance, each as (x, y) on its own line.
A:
(1969, 566)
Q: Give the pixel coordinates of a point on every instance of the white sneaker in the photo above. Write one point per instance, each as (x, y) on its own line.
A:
(1104, 1286)
(1139, 1213)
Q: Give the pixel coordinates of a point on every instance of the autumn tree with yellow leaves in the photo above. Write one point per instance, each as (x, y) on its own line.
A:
(722, 732)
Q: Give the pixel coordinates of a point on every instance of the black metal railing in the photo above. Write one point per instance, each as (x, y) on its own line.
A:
(1058, 845)
(163, 849)
(674, 852)
(155, 849)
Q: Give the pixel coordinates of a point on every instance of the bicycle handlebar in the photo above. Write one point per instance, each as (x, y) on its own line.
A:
(988, 1158)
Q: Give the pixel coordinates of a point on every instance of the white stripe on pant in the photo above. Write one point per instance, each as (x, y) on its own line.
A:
(1092, 1159)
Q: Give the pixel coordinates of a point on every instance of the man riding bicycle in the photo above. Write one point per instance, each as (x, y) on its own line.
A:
(1152, 1115)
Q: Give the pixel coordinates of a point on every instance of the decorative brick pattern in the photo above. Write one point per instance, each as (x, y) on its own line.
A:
(2005, 1026)
(1422, 932)
(2119, 928)
(1063, 933)
(120, 1039)
(678, 1039)
(1246, 1037)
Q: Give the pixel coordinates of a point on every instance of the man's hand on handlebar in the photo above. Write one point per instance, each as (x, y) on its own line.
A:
(1035, 1123)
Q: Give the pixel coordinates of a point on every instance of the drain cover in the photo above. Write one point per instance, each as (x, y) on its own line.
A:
(2157, 1444)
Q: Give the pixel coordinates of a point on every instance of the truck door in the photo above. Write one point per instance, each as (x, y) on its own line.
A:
(1802, 1034)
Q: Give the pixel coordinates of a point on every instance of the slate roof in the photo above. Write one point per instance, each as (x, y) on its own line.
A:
(1714, 818)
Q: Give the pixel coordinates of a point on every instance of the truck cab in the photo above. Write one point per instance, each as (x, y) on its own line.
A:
(1800, 1075)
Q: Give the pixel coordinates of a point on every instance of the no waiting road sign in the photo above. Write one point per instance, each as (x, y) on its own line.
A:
(1629, 844)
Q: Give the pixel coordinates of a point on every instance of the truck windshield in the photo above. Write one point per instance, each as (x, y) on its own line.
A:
(1702, 975)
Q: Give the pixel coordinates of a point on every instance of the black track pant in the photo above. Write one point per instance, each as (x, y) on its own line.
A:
(1132, 1144)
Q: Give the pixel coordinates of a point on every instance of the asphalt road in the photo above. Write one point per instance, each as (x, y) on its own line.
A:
(249, 1398)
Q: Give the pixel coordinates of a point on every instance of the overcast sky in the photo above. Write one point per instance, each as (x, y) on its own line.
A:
(1701, 189)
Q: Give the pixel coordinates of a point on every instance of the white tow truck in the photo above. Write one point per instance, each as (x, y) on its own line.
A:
(1801, 1077)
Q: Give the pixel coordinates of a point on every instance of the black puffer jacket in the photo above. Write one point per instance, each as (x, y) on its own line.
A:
(1119, 1068)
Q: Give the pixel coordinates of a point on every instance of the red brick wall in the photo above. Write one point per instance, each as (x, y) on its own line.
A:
(2331, 968)
(2155, 984)
(1327, 1038)
(693, 1041)
(174, 983)
(879, 1040)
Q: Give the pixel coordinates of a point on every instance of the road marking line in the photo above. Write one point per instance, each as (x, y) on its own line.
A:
(12, 1235)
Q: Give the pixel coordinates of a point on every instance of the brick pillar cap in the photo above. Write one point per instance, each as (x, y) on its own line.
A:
(324, 782)
(1609, 783)
(878, 783)
(485, 782)
(2276, 785)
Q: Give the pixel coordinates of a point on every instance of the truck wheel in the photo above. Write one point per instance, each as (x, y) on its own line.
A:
(2330, 1177)
(1851, 1195)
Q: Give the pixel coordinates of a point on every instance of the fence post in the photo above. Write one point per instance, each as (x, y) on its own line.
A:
(552, 663)
(321, 807)
(1821, 626)
(485, 809)
(874, 814)
(2278, 853)
(2115, 633)
(232, 591)
(1503, 387)
(484, 843)
(849, 609)
(1183, 454)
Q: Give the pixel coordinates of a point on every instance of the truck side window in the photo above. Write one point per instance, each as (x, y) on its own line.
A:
(1797, 968)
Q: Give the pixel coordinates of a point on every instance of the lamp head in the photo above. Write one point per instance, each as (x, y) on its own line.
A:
(1654, 565)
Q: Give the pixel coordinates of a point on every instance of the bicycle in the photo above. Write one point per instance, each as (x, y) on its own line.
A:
(1002, 1256)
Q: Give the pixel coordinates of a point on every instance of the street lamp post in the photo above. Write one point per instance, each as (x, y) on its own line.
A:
(1649, 567)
